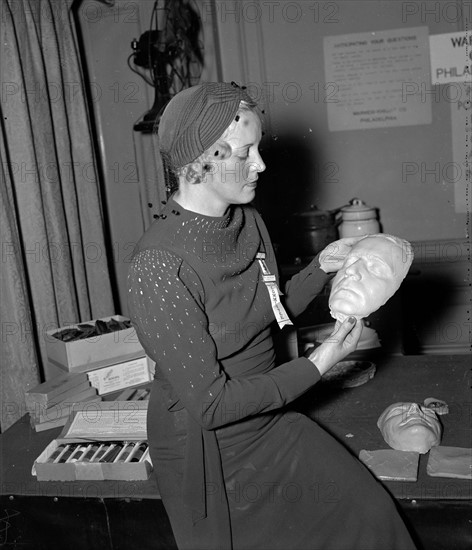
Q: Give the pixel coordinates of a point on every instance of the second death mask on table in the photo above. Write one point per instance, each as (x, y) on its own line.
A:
(410, 427)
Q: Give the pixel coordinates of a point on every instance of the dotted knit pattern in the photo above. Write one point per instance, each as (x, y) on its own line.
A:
(203, 314)
(201, 310)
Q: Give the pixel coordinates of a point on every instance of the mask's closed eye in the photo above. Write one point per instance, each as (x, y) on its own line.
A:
(379, 268)
(400, 410)
(428, 412)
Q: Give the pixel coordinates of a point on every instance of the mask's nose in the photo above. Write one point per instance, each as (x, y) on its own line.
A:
(353, 270)
(413, 409)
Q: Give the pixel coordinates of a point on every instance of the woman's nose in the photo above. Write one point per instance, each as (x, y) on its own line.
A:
(259, 164)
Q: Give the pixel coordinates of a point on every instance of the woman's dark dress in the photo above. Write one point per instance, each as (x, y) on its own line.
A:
(234, 471)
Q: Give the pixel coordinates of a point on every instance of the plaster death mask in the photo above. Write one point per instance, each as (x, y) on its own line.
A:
(371, 273)
(410, 427)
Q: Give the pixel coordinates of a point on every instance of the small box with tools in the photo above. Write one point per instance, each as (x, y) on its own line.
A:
(104, 440)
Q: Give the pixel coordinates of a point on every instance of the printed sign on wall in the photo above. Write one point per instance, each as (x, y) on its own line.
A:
(380, 79)
(451, 57)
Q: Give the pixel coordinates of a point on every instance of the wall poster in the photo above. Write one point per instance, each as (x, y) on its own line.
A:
(380, 78)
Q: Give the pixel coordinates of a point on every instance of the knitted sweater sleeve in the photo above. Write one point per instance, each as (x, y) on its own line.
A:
(166, 304)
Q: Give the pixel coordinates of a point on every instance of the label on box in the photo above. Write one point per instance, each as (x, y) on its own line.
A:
(120, 376)
(126, 422)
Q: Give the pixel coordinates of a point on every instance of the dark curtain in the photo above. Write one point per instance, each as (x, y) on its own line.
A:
(54, 268)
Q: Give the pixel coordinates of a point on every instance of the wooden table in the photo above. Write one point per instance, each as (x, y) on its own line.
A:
(438, 509)
(122, 515)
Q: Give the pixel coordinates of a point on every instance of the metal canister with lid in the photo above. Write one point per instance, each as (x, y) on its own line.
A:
(307, 233)
(357, 219)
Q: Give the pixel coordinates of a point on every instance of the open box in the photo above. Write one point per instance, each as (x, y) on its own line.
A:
(97, 351)
(100, 427)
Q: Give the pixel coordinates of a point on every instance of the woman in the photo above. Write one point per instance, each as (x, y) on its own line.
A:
(235, 470)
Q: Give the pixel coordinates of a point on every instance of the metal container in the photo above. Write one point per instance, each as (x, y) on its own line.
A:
(310, 231)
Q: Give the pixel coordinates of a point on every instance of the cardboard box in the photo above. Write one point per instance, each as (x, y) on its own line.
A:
(98, 351)
(58, 415)
(99, 424)
(122, 375)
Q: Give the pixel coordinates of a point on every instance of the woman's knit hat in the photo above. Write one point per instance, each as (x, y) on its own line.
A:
(196, 117)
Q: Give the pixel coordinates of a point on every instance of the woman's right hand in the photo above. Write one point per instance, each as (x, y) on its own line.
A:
(332, 257)
(341, 342)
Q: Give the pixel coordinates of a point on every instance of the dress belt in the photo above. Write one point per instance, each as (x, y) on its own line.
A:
(204, 489)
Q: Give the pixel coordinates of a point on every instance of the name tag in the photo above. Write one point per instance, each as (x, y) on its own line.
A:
(274, 293)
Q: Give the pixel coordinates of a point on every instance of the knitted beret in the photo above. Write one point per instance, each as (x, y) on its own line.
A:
(195, 119)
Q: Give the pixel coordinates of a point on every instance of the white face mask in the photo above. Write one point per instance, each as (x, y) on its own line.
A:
(410, 427)
(372, 272)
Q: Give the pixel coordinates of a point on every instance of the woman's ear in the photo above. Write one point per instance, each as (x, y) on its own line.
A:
(193, 172)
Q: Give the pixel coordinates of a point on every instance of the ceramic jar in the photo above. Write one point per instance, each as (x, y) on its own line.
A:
(357, 219)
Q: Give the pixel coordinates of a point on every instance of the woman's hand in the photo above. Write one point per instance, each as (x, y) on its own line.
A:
(333, 256)
(341, 342)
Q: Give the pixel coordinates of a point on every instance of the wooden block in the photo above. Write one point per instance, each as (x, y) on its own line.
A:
(454, 462)
(391, 465)
(45, 393)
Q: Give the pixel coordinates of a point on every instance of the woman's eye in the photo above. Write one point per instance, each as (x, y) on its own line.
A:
(242, 154)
